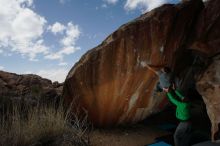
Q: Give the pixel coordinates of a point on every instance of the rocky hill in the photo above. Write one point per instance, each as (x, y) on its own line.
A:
(28, 88)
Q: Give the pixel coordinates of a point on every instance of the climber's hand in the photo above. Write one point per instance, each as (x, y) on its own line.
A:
(173, 86)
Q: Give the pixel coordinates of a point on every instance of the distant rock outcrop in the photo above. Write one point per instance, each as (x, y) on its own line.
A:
(115, 81)
(28, 88)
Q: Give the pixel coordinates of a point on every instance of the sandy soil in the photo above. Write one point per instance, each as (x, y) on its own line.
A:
(145, 132)
(136, 135)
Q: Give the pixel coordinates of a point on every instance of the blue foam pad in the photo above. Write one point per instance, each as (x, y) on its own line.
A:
(161, 143)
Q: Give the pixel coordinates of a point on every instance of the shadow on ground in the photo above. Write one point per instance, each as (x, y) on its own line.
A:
(159, 127)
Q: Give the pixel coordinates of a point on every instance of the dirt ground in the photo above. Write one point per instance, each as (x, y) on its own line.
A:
(136, 135)
(145, 132)
(139, 134)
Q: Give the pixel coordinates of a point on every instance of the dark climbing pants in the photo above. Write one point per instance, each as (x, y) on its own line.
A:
(182, 134)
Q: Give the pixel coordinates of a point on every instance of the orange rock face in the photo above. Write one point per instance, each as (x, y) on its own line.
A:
(115, 81)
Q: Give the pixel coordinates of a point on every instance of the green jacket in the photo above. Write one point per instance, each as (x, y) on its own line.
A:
(183, 108)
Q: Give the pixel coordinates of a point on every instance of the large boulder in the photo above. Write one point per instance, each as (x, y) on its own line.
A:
(207, 41)
(208, 86)
(115, 81)
(206, 35)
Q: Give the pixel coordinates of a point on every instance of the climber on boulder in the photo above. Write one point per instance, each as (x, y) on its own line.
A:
(164, 79)
(183, 130)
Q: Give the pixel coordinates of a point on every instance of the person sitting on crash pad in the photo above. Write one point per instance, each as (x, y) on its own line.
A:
(183, 130)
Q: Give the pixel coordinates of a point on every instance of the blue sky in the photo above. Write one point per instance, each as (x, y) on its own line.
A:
(46, 37)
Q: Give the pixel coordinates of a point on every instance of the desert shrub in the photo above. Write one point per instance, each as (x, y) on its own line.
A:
(43, 125)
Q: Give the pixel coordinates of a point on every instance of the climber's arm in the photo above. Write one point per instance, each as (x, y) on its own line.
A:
(172, 99)
(177, 92)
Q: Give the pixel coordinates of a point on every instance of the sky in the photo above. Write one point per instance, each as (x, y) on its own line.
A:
(47, 37)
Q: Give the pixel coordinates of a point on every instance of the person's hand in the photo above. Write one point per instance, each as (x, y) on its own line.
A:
(173, 86)
(166, 90)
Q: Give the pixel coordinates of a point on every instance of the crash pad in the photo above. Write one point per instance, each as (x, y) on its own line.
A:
(161, 143)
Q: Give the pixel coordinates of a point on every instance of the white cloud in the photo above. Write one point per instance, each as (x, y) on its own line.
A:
(72, 34)
(54, 56)
(68, 42)
(54, 74)
(60, 54)
(108, 2)
(63, 1)
(7, 54)
(63, 64)
(111, 1)
(27, 2)
(1, 51)
(1, 67)
(56, 28)
(144, 5)
(21, 28)
(22, 31)
(104, 6)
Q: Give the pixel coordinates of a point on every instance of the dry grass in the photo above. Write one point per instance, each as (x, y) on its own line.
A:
(41, 126)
